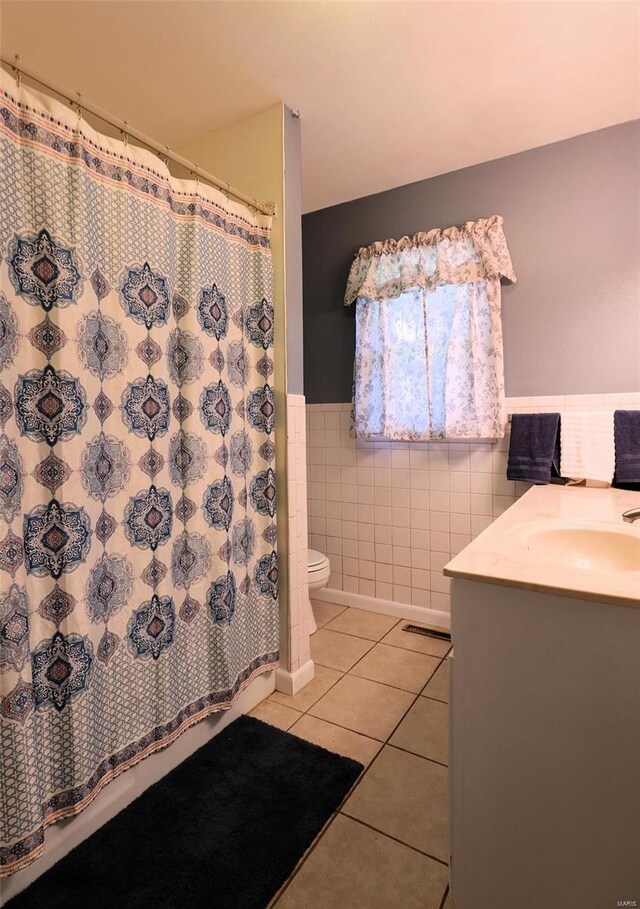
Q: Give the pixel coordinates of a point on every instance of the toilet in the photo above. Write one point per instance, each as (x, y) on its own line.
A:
(319, 569)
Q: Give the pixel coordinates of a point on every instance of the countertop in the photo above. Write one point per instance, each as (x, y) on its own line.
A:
(498, 556)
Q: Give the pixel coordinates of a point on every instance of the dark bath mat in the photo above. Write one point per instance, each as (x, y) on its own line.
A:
(224, 830)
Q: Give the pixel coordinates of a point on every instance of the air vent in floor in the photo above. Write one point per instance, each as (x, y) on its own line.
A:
(429, 632)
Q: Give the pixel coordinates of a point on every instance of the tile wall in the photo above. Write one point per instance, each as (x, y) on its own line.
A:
(391, 514)
(298, 591)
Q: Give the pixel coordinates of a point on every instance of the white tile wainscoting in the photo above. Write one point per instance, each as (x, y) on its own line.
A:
(300, 670)
(391, 514)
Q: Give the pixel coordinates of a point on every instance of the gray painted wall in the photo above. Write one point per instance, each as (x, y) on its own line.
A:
(572, 222)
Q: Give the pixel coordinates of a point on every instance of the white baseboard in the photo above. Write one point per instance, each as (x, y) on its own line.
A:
(65, 835)
(292, 682)
(423, 614)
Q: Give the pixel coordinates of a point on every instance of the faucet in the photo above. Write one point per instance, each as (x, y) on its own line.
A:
(632, 515)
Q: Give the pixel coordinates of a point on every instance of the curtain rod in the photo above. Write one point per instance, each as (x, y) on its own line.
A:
(266, 208)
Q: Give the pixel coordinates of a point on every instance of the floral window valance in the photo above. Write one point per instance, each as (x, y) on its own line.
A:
(458, 255)
(429, 359)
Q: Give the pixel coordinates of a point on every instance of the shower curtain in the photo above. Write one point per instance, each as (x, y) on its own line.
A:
(138, 573)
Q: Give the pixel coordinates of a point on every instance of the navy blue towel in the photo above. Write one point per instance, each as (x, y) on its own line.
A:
(626, 431)
(534, 450)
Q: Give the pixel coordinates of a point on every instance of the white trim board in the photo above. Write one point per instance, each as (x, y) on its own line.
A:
(423, 614)
(292, 682)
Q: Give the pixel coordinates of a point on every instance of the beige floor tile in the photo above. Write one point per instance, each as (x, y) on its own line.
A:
(324, 612)
(335, 738)
(363, 706)
(425, 730)
(406, 797)
(363, 624)
(323, 679)
(393, 666)
(418, 642)
(275, 714)
(438, 685)
(353, 867)
(337, 651)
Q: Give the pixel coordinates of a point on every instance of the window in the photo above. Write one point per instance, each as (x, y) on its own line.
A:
(429, 361)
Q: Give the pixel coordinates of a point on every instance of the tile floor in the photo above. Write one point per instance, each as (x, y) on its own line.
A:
(380, 696)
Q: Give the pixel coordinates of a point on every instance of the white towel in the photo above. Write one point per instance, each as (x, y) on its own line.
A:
(586, 446)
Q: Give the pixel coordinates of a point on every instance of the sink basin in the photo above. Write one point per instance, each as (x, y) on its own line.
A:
(590, 546)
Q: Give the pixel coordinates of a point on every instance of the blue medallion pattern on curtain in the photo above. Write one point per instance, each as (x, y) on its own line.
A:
(137, 490)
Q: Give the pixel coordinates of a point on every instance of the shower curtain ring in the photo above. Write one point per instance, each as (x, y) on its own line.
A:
(125, 134)
(79, 106)
(17, 71)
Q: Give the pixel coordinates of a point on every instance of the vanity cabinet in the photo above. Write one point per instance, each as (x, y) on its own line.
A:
(545, 706)
(545, 766)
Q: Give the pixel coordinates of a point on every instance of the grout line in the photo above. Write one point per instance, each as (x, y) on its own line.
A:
(359, 780)
(365, 678)
(349, 729)
(342, 672)
(382, 640)
(388, 684)
(363, 735)
(335, 668)
(438, 656)
(394, 838)
(332, 685)
(430, 698)
(358, 637)
(314, 844)
(417, 696)
(341, 607)
(353, 634)
(444, 898)
(385, 742)
(350, 634)
(355, 731)
(415, 754)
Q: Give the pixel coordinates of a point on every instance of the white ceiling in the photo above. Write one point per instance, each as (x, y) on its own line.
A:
(389, 92)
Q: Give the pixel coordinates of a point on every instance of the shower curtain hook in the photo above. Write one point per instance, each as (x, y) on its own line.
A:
(17, 71)
(197, 173)
(79, 106)
(166, 157)
(125, 134)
